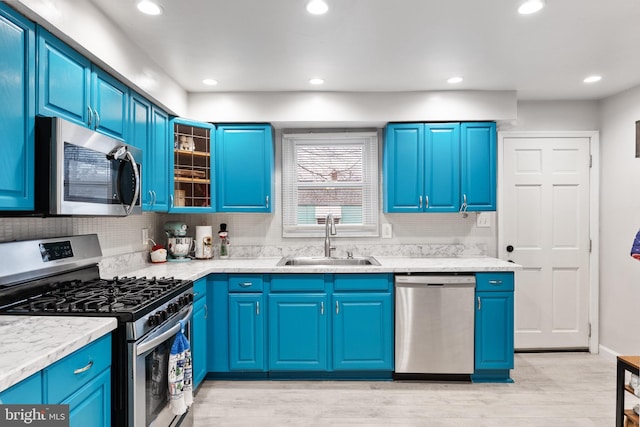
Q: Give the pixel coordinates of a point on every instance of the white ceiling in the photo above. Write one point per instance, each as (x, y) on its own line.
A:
(392, 45)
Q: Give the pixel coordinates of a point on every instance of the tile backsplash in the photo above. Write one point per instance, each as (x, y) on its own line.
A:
(254, 235)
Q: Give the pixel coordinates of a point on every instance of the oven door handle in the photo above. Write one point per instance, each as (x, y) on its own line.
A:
(152, 342)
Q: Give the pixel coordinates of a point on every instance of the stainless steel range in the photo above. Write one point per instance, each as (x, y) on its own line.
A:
(60, 277)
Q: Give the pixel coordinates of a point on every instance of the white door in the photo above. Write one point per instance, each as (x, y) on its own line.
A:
(545, 220)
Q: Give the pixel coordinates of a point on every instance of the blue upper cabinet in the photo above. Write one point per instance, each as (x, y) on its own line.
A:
(149, 130)
(245, 168)
(17, 111)
(109, 100)
(440, 167)
(404, 168)
(69, 86)
(192, 183)
(478, 178)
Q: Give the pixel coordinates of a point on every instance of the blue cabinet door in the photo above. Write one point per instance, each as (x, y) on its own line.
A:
(494, 331)
(64, 78)
(362, 331)
(28, 390)
(199, 341)
(478, 170)
(109, 100)
(91, 405)
(139, 122)
(246, 332)
(245, 168)
(442, 167)
(298, 326)
(404, 168)
(17, 111)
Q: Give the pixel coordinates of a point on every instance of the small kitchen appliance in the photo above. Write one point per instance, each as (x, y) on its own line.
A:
(60, 277)
(179, 245)
(224, 241)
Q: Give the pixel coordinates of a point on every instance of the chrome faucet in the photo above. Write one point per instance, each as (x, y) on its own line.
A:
(329, 229)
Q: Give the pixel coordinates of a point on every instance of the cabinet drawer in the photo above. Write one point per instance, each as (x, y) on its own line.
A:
(199, 288)
(494, 281)
(362, 282)
(297, 282)
(69, 374)
(245, 283)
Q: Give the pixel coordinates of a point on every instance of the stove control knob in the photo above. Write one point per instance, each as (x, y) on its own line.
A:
(154, 320)
(190, 297)
(162, 314)
(170, 309)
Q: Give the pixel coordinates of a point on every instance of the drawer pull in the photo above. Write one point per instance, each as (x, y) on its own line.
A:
(479, 304)
(495, 282)
(246, 284)
(85, 369)
(257, 308)
(322, 308)
(337, 307)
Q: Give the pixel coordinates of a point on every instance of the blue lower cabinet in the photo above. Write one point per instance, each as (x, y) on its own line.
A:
(199, 341)
(494, 332)
(91, 405)
(26, 391)
(362, 331)
(247, 332)
(298, 326)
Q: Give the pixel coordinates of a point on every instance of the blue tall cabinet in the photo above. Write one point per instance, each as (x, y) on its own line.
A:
(17, 111)
(439, 167)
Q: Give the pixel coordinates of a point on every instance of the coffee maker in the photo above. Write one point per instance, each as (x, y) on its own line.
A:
(179, 245)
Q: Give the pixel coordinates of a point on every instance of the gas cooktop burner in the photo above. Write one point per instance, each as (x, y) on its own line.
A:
(118, 295)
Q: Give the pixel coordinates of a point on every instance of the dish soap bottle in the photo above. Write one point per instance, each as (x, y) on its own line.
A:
(224, 241)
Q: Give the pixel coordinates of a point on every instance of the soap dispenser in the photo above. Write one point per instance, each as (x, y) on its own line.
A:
(224, 241)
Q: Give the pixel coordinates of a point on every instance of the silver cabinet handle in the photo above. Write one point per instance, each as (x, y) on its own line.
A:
(322, 308)
(206, 311)
(257, 308)
(90, 117)
(337, 307)
(246, 284)
(97, 119)
(155, 197)
(267, 200)
(426, 202)
(479, 304)
(495, 282)
(170, 201)
(85, 369)
(463, 207)
(150, 198)
(420, 202)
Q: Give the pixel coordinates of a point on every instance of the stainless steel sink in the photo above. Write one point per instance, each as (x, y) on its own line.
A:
(313, 261)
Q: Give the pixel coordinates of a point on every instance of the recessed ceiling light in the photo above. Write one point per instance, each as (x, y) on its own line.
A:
(454, 80)
(530, 6)
(210, 82)
(316, 81)
(149, 7)
(592, 79)
(317, 7)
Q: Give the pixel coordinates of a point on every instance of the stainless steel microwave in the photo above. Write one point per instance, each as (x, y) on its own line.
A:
(82, 172)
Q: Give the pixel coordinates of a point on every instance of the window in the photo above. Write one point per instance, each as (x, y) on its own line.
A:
(330, 173)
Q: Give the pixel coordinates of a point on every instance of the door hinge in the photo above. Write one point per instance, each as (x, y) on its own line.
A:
(590, 160)
(590, 245)
(589, 329)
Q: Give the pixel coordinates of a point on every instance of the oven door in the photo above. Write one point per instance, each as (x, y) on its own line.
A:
(148, 394)
(92, 174)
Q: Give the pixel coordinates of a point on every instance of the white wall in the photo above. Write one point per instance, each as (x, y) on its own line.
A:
(102, 41)
(619, 222)
(554, 115)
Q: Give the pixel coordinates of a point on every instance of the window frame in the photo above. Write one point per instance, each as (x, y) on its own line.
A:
(370, 184)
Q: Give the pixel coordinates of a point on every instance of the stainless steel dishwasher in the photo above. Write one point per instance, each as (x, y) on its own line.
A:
(434, 324)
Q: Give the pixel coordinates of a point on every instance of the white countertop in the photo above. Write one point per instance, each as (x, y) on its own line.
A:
(31, 343)
(196, 269)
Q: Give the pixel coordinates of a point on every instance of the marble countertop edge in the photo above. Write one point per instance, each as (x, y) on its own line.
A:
(31, 343)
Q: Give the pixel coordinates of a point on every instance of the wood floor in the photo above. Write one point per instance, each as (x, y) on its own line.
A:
(550, 389)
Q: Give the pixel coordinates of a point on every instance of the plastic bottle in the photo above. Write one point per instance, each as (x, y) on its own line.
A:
(224, 241)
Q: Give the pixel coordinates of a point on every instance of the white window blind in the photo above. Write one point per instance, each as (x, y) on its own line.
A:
(330, 173)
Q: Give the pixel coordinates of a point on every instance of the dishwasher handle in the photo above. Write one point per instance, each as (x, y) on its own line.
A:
(436, 280)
